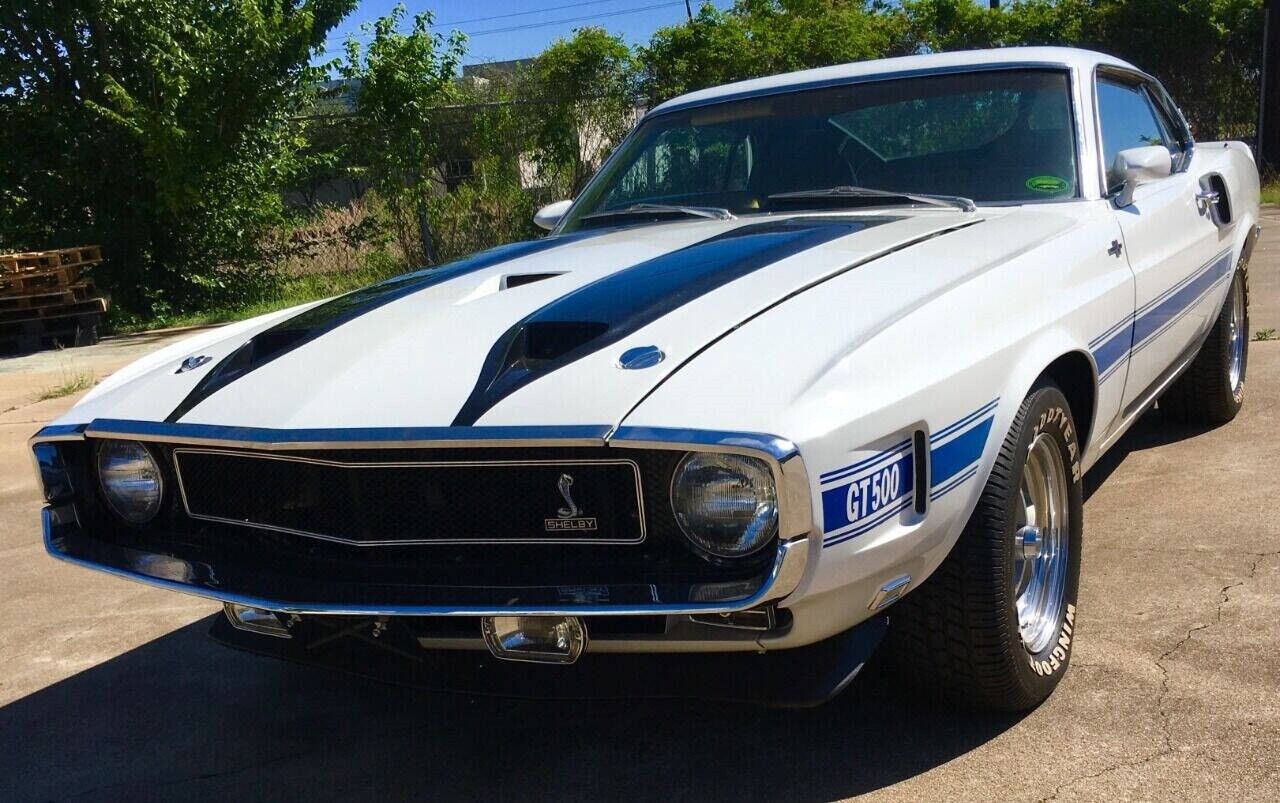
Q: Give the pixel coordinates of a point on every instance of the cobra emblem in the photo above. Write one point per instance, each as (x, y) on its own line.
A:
(572, 511)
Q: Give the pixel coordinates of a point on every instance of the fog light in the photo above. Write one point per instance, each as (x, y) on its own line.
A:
(255, 620)
(539, 639)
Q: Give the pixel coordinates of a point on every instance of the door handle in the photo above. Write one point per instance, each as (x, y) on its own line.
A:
(1207, 198)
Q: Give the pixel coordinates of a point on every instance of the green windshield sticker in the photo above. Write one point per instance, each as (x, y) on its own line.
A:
(1047, 184)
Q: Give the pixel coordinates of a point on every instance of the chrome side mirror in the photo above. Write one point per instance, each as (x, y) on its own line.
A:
(548, 216)
(1141, 166)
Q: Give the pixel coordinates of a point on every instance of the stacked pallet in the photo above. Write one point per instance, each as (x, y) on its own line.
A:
(48, 301)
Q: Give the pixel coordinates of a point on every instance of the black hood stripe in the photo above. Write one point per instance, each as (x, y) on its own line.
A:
(305, 327)
(609, 309)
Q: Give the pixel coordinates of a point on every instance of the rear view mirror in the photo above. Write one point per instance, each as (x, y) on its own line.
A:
(1141, 166)
(548, 216)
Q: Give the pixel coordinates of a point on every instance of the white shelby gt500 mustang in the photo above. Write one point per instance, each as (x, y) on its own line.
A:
(805, 347)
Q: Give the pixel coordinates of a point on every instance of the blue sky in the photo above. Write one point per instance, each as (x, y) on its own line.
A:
(510, 29)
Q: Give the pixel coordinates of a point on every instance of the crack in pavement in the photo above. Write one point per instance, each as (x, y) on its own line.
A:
(1224, 595)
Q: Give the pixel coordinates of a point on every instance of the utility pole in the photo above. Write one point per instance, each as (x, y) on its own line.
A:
(688, 10)
(995, 4)
(1268, 141)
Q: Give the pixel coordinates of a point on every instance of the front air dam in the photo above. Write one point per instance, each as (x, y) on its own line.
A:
(798, 678)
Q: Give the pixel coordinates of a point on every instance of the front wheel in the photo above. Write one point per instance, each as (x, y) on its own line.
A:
(993, 627)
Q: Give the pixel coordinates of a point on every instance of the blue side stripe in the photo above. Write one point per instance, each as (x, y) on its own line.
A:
(956, 483)
(1112, 351)
(839, 473)
(1156, 316)
(1153, 321)
(951, 458)
(841, 537)
(1094, 343)
(969, 419)
(1179, 316)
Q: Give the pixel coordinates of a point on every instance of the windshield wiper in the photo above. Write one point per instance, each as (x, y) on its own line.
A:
(832, 193)
(642, 210)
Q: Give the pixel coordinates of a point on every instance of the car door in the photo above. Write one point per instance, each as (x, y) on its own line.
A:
(1171, 247)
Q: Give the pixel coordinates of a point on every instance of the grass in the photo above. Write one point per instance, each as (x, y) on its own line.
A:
(70, 381)
(1271, 192)
(1266, 334)
(293, 291)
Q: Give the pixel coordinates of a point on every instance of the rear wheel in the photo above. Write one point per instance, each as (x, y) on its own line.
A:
(1211, 390)
(994, 626)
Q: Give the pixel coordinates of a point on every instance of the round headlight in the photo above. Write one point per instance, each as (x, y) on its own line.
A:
(726, 504)
(131, 480)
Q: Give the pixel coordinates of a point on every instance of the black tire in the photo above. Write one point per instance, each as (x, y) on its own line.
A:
(957, 635)
(1204, 395)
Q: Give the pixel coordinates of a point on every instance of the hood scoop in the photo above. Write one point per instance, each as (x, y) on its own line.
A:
(312, 323)
(514, 280)
(603, 312)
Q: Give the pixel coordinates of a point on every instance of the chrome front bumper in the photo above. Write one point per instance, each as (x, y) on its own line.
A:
(65, 541)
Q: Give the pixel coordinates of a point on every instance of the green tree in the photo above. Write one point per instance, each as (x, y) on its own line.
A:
(583, 102)
(765, 37)
(491, 137)
(400, 79)
(1207, 53)
(158, 128)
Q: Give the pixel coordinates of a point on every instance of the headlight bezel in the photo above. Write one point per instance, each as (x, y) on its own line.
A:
(110, 497)
(707, 547)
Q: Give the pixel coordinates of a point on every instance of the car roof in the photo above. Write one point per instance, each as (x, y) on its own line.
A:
(1074, 58)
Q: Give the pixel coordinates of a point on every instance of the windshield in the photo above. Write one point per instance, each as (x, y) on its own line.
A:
(1002, 136)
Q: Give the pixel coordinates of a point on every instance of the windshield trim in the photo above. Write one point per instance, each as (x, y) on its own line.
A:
(848, 80)
(1011, 66)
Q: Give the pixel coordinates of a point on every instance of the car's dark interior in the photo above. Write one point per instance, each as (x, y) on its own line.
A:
(994, 137)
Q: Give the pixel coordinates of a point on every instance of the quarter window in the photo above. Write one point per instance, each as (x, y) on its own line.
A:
(1128, 120)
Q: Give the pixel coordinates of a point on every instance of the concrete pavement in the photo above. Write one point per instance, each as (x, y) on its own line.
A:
(111, 690)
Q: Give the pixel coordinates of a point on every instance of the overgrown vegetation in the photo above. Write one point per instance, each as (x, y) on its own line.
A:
(223, 176)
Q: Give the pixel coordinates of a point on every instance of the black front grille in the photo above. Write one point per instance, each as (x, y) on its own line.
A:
(279, 564)
(408, 502)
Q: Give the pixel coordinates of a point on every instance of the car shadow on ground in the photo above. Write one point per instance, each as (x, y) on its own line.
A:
(1148, 432)
(183, 715)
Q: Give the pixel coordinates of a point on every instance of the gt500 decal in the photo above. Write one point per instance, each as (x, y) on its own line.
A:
(858, 498)
(869, 494)
(878, 489)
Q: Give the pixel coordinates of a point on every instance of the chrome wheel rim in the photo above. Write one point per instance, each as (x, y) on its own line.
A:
(1040, 545)
(1236, 371)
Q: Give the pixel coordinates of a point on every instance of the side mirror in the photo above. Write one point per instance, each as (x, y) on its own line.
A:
(548, 216)
(1141, 166)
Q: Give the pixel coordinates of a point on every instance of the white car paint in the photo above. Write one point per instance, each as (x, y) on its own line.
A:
(939, 321)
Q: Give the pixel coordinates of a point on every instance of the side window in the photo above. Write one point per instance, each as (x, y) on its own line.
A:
(1128, 121)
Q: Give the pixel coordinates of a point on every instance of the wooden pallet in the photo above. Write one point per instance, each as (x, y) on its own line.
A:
(52, 297)
(25, 284)
(37, 261)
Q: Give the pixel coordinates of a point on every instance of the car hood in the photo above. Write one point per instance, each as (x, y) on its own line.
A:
(526, 334)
